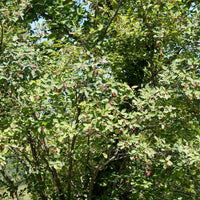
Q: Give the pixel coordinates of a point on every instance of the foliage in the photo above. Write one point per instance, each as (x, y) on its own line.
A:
(101, 100)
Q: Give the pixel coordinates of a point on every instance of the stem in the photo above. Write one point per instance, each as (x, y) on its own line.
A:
(55, 178)
(112, 18)
(58, 183)
(41, 193)
(88, 157)
(71, 165)
(16, 194)
(1, 44)
(16, 152)
(120, 170)
(93, 178)
(78, 110)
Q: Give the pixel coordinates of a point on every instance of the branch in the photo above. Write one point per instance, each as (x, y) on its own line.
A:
(94, 177)
(42, 194)
(78, 110)
(114, 15)
(174, 56)
(187, 193)
(33, 151)
(71, 164)
(101, 164)
(120, 170)
(4, 183)
(55, 178)
(9, 181)
(16, 150)
(1, 44)
(87, 157)
(67, 31)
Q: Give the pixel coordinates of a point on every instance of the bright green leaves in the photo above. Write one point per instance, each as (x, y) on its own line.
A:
(105, 103)
(12, 11)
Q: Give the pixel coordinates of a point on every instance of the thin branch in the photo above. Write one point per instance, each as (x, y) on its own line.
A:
(187, 193)
(94, 177)
(55, 178)
(9, 181)
(87, 157)
(16, 152)
(78, 111)
(112, 18)
(174, 56)
(120, 170)
(1, 44)
(42, 194)
(66, 31)
(101, 164)
(95, 15)
(4, 183)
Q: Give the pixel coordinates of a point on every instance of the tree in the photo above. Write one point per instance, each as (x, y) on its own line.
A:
(103, 96)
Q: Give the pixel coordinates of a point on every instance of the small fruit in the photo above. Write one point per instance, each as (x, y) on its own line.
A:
(147, 173)
(95, 72)
(64, 85)
(113, 94)
(55, 150)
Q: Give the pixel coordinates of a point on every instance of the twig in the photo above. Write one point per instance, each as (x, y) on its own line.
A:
(101, 164)
(94, 177)
(55, 178)
(78, 110)
(1, 44)
(114, 15)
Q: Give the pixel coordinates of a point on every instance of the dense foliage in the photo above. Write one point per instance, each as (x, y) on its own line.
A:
(101, 100)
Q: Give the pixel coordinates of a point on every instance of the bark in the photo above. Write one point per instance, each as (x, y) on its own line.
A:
(93, 178)
(41, 193)
(71, 165)
(55, 178)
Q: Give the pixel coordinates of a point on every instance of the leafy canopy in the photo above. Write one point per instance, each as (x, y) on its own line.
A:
(101, 100)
